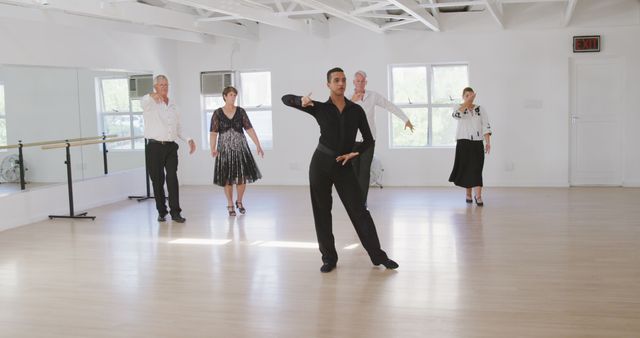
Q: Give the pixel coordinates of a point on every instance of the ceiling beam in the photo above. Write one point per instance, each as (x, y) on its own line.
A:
(236, 8)
(61, 18)
(279, 5)
(134, 12)
(343, 14)
(413, 8)
(528, 1)
(369, 8)
(450, 4)
(435, 12)
(568, 13)
(301, 12)
(392, 25)
(495, 10)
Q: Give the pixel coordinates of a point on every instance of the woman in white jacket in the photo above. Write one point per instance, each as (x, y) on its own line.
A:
(473, 137)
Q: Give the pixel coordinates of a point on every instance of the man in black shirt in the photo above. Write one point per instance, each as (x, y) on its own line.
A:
(339, 120)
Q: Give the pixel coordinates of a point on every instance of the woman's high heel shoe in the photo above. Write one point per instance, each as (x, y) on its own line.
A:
(468, 199)
(479, 203)
(240, 207)
(232, 210)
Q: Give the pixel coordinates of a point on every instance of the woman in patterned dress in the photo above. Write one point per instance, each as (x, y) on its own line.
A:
(234, 164)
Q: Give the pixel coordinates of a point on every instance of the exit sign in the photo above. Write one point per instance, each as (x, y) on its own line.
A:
(585, 44)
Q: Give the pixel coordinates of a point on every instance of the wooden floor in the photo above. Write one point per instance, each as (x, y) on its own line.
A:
(531, 263)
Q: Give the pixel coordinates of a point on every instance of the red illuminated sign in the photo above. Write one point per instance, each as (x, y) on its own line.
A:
(584, 44)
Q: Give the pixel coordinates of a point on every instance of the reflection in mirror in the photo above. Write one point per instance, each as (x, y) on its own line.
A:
(39, 104)
(114, 100)
(3, 118)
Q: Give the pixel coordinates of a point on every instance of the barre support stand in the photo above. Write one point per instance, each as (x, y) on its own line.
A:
(104, 153)
(146, 176)
(21, 162)
(82, 215)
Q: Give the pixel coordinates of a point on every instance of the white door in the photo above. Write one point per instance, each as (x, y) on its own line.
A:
(597, 95)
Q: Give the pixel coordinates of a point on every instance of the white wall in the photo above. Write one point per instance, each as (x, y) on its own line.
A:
(509, 68)
(36, 43)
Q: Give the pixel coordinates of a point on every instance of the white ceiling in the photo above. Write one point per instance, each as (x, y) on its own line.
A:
(239, 19)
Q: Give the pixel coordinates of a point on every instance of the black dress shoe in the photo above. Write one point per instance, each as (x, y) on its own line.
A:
(178, 218)
(162, 218)
(327, 267)
(389, 264)
(479, 202)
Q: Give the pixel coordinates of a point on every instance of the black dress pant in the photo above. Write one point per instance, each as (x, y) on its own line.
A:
(362, 169)
(163, 166)
(325, 172)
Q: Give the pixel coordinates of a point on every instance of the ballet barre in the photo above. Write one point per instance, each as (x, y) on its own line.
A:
(21, 145)
(67, 145)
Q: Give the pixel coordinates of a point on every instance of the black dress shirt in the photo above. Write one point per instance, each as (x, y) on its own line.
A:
(337, 130)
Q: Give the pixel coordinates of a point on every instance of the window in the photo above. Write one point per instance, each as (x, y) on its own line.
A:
(426, 93)
(255, 98)
(3, 118)
(254, 95)
(211, 86)
(120, 109)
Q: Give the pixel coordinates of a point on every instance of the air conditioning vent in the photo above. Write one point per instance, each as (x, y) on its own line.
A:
(215, 82)
(140, 85)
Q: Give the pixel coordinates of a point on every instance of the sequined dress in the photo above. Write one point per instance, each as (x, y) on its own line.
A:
(235, 163)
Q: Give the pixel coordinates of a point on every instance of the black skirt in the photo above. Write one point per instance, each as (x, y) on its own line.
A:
(467, 167)
(234, 163)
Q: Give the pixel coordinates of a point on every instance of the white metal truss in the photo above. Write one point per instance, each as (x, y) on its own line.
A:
(238, 19)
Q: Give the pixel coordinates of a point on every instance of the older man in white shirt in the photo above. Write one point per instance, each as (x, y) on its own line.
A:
(369, 100)
(161, 129)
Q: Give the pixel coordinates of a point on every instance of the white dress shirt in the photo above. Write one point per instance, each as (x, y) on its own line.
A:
(473, 123)
(369, 102)
(161, 120)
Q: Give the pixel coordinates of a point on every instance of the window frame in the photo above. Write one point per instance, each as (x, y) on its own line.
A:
(260, 108)
(102, 113)
(428, 105)
(3, 114)
(236, 80)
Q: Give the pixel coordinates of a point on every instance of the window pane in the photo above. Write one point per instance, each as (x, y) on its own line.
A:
(213, 102)
(261, 121)
(444, 127)
(3, 120)
(256, 89)
(3, 132)
(409, 84)
(119, 125)
(208, 126)
(448, 83)
(2, 111)
(138, 130)
(136, 106)
(405, 138)
(115, 94)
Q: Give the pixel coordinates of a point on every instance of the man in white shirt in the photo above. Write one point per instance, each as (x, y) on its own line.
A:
(161, 129)
(368, 100)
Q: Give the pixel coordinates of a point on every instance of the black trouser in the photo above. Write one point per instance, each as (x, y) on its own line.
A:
(324, 172)
(164, 156)
(362, 168)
